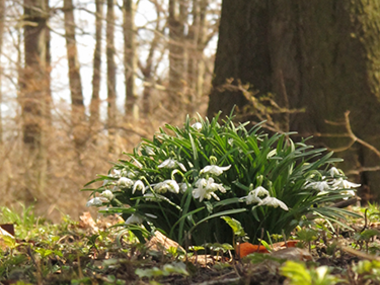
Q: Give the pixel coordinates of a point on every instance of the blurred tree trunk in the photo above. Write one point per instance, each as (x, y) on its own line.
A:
(34, 92)
(176, 21)
(111, 73)
(195, 65)
(131, 107)
(48, 66)
(321, 55)
(2, 13)
(148, 68)
(96, 77)
(77, 106)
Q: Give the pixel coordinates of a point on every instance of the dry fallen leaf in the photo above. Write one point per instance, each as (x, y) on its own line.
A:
(4, 233)
(292, 253)
(160, 241)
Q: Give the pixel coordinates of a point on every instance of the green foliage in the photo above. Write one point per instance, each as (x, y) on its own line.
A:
(166, 270)
(184, 179)
(298, 274)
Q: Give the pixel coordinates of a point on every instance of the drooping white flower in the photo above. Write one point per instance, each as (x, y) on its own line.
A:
(107, 194)
(167, 185)
(334, 172)
(130, 174)
(137, 163)
(273, 202)
(214, 169)
(96, 202)
(134, 219)
(197, 126)
(205, 189)
(116, 173)
(201, 191)
(349, 193)
(149, 150)
(125, 182)
(251, 198)
(255, 194)
(319, 185)
(171, 163)
(138, 185)
(260, 191)
(341, 183)
(183, 187)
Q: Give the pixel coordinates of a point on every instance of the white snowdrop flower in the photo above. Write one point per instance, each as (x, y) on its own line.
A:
(251, 198)
(105, 182)
(273, 202)
(96, 202)
(197, 126)
(206, 188)
(230, 142)
(341, 183)
(259, 191)
(167, 185)
(183, 187)
(255, 194)
(201, 190)
(214, 169)
(138, 185)
(125, 182)
(149, 150)
(134, 219)
(107, 194)
(116, 173)
(321, 186)
(171, 163)
(349, 193)
(334, 172)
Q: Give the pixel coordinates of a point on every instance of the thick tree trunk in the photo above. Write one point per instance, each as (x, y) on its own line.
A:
(177, 17)
(321, 55)
(131, 107)
(34, 94)
(77, 109)
(111, 73)
(96, 77)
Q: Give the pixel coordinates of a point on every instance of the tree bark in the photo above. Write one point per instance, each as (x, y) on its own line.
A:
(34, 93)
(96, 77)
(321, 55)
(131, 107)
(177, 16)
(111, 72)
(77, 109)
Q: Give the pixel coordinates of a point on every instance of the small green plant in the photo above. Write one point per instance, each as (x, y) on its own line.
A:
(367, 270)
(184, 179)
(298, 274)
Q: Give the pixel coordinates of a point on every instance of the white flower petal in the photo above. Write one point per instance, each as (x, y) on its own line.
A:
(334, 172)
(273, 202)
(318, 185)
(107, 194)
(344, 184)
(214, 169)
(96, 202)
(125, 182)
(149, 150)
(259, 191)
(138, 185)
(134, 219)
(167, 185)
(197, 126)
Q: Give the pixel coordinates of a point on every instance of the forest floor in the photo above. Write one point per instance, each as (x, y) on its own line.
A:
(34, 251)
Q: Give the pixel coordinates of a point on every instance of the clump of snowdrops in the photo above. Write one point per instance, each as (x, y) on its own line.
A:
(183, 180)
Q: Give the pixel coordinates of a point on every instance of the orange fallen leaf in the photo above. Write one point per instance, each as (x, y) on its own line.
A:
(246, 248)
(283, 244)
